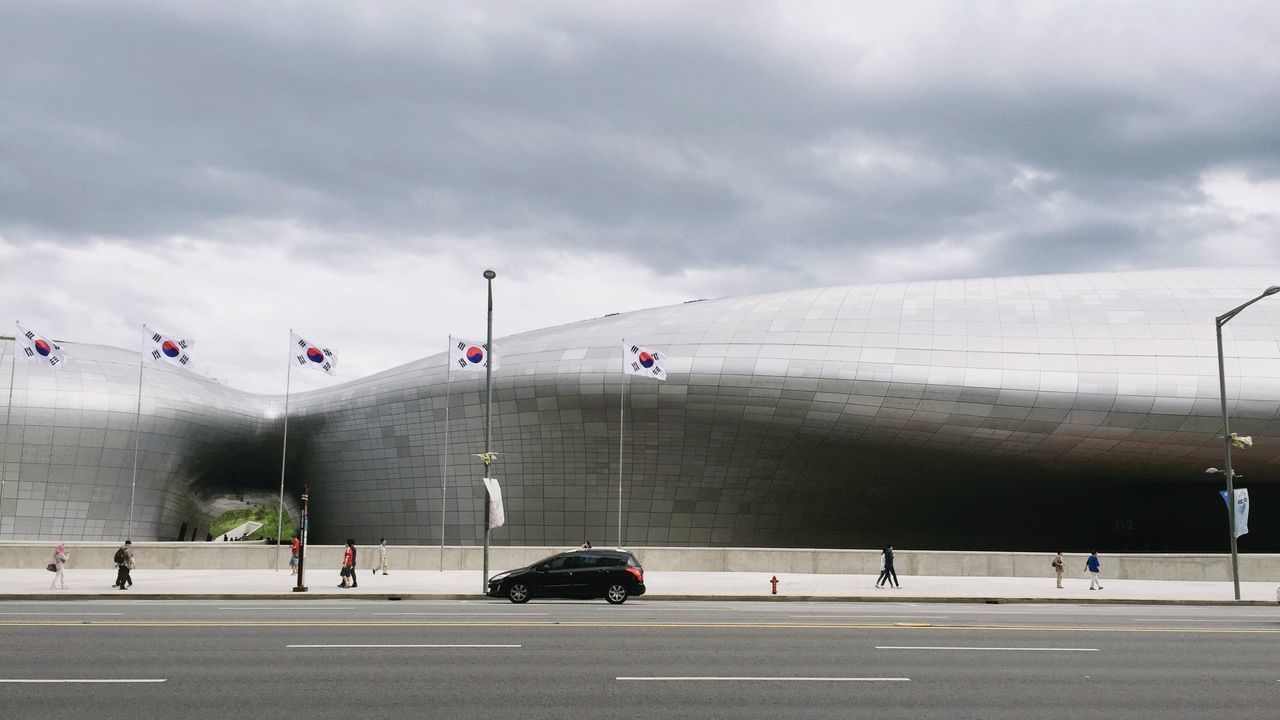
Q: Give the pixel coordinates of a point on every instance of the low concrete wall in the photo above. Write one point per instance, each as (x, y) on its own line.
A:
(238, 556)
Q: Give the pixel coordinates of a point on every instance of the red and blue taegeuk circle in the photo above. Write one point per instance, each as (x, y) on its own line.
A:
(314, 355)
(475, 354)
(42, 347)
(170, 348)
(646, 359)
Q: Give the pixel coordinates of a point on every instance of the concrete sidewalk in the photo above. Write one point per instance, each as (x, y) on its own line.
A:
(466, 584)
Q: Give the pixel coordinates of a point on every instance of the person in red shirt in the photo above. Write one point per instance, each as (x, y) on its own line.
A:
(348, 564)
(294, 546)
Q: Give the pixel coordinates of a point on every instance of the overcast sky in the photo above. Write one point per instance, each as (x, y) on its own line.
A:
(226, 171)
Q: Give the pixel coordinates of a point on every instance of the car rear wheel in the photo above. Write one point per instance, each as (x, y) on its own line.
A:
(518, 593)
(616, 594)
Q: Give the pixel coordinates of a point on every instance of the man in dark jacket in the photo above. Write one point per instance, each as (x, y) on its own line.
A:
(888, 572)
(123, 558)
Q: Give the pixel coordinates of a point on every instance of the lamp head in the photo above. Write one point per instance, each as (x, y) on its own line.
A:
(1211, 471)
(489, 275)
(1271, 290)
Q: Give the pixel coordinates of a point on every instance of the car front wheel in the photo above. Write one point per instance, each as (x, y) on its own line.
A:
(518, 593)
(616, 594)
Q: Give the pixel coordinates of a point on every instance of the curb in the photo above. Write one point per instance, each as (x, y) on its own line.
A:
(325, 595)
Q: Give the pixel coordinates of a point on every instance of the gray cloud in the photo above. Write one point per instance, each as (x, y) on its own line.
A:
(722, 137)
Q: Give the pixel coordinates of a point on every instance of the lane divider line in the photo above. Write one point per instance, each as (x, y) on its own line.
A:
(755, 679)
(374, 645)
(81, 680)
(869, 617)
(959, 647)
(465, 614)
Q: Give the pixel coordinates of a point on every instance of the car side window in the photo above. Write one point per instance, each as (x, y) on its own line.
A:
(609, 561)
(566, 562)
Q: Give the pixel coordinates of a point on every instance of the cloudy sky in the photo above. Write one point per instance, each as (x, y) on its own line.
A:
(230, 170)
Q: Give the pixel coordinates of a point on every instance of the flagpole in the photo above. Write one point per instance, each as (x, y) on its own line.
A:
(622, 395)
(284, 445)
(137, 430)
(444, 477)
(8, 413)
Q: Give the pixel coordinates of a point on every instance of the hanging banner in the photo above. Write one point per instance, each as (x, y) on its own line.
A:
(497, 516)
(1242, 509)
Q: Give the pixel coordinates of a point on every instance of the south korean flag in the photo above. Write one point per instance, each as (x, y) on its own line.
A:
(644, 362)
(37, 348)
(469, 355)
(167, 349)
(313, 356)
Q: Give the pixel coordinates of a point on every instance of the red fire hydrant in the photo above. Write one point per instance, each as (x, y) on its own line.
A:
(774, 582)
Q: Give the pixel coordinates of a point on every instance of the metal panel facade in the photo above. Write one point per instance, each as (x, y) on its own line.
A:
(1016, 413)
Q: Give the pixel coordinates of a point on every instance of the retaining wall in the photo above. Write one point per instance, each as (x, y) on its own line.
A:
(241, 556)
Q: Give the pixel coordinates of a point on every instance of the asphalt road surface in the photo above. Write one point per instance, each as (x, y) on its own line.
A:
(557, 659)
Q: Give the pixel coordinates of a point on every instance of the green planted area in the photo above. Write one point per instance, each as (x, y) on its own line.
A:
(262, 514)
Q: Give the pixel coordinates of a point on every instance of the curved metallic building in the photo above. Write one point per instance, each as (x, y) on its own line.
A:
(1002, 413)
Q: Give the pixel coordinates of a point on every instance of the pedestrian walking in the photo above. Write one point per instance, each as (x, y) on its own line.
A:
(60, 558)
(1094, 566)
(354, 581)
(348, 564)
(887, 572)
(124, 562)
(382, 564)
(129, 564)
(294, 546)
(1059, 564)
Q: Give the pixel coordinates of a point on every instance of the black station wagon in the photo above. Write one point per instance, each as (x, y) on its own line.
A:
(613, 575)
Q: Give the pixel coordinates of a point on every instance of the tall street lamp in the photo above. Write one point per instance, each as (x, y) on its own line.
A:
(489, 275)
(1226, 433)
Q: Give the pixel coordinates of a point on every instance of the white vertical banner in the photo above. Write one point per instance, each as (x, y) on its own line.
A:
(1242, 509)
(497, 516)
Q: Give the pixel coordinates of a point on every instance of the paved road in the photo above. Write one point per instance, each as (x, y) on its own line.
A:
(220, 659)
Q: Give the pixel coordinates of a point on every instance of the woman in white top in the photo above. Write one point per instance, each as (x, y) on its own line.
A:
(60, 558)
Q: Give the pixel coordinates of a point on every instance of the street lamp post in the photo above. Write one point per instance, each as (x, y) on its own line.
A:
(489, 275)
(1226, 434)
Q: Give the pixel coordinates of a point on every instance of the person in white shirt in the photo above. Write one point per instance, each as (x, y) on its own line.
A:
(383, 564)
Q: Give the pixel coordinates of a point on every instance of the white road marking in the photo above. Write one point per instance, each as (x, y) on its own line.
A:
(1028, 612)
(755, 679)
(1195, 620)
(69, 612)
(296, 607)
(468, 614)
(403, 646)
(958, 647)
(811, 615)
(83, 680)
